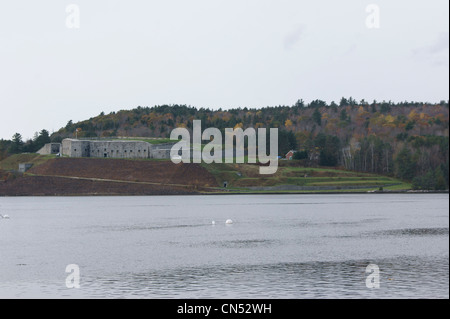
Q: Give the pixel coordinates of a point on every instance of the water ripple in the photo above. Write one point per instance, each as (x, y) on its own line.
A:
(403, 277)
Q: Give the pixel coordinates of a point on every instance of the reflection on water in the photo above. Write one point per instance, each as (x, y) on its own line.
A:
(285, 246)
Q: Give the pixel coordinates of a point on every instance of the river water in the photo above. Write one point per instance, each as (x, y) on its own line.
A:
(279, 246)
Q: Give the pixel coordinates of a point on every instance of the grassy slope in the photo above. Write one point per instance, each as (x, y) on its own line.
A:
(12, 162)
(241, 176)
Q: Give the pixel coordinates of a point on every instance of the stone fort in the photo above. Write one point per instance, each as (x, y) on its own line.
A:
(108, 149)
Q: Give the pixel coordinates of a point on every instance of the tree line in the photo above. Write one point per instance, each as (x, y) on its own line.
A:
(17, 145)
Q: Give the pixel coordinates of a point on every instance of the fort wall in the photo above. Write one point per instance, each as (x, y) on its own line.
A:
(115, 149)
(50, 148)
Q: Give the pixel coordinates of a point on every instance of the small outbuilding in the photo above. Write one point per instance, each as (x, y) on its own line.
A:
(23, 167)
(290, 155)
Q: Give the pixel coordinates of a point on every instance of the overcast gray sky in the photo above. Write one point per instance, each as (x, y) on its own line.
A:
(212, 53)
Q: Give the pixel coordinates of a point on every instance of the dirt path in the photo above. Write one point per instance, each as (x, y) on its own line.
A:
(158, 172)
(126, 182)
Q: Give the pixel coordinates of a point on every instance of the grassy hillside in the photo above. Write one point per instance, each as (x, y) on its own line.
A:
(241, 178)
(12, 162)
(246, 178)
(51, 176)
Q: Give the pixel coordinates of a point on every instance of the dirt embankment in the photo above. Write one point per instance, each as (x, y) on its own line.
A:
(83, 176)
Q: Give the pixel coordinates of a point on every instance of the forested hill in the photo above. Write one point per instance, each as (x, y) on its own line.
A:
(347, 121)
(409, 140)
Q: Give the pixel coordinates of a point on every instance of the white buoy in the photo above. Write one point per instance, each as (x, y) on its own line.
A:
(229, 222)
(213, 222)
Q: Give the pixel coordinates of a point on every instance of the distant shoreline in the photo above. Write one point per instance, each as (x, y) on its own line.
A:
(236, 193)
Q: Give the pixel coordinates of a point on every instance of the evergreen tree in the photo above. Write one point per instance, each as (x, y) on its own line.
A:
(343, 116)
(42, 139)
(317, 117)
(405, 165)
(16, 144)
